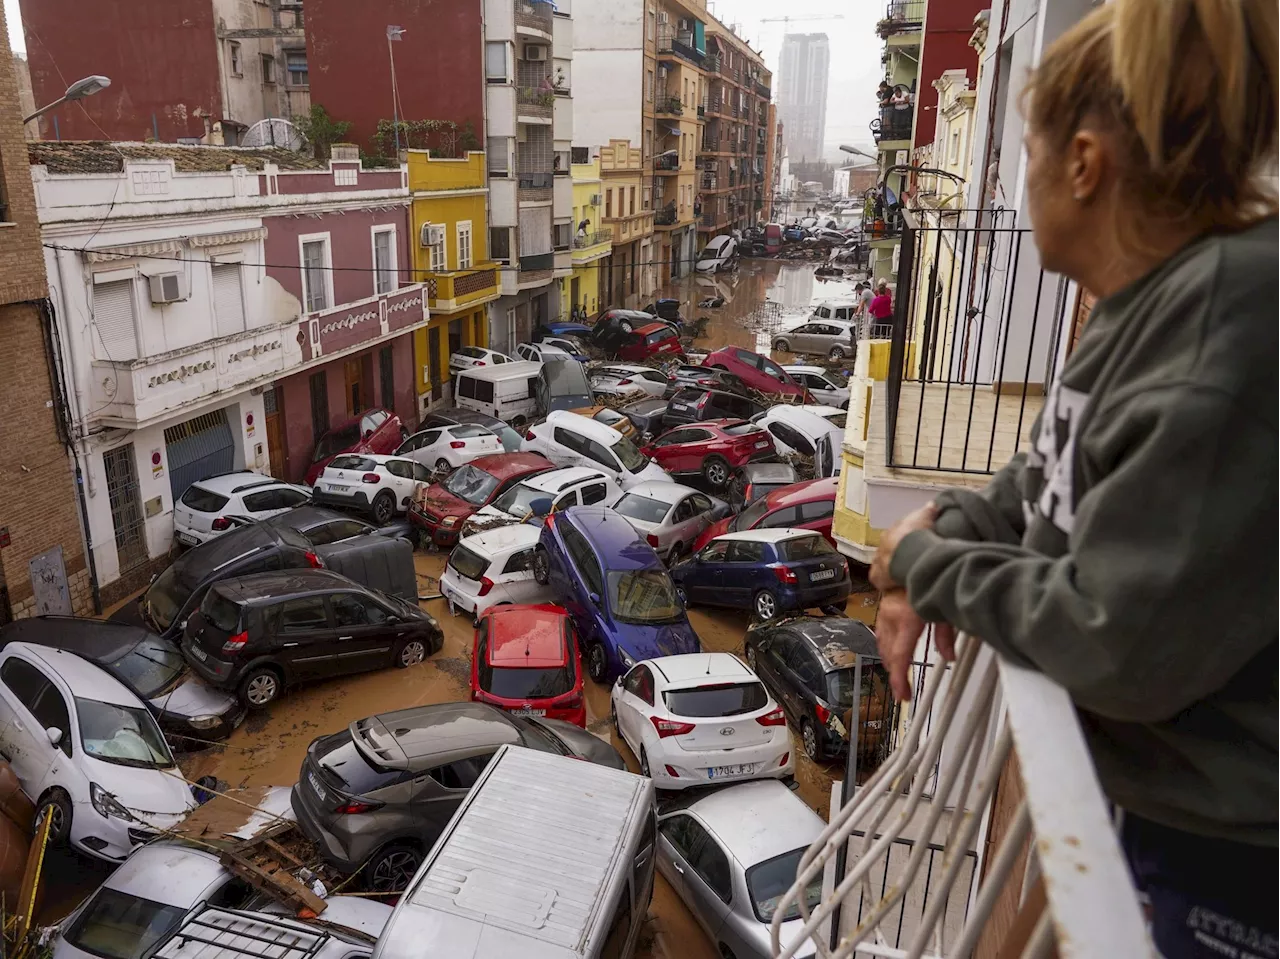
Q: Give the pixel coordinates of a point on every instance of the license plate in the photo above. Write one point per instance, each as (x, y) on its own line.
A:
(315, 784)
(761, 446)
(199, 653)
(335, 487)
(822, 574)
(186, 538)
(719, 772)
(528, 712)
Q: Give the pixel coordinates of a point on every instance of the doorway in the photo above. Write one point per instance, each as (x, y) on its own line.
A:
(574, 292)
(275, 431)
(357, 390)
(433, 363)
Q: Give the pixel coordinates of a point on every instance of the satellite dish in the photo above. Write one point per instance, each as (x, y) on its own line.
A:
(274, 132)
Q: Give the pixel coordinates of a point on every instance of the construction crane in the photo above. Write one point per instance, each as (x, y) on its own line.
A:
(817, 16)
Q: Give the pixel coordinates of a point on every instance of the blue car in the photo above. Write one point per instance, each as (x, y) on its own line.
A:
(623, 603)
(560, 328)
(768, 571)
(793, 233)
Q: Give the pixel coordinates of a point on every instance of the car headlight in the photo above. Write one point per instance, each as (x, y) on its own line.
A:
(449, 521)
(627, 661)
(106, 804)
(204, 722)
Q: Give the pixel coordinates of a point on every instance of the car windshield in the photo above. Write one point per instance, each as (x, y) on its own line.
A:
(468, 564)
(346, 765)
(635, 506)
(748, 518)
(150, 667)
(126, 735)
(805, 547)
(742, 429)
(166, 597)
(837, 419)
(565, 377)
(768, 882)
(335, 442)
(643, 596)
(349, 462)
(527, 683)
(518, 500)
(716, 699)
(117, 925)
(632, 459)
(473, 485)
(840, 688)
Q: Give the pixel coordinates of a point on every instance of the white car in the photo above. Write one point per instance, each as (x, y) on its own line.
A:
(568, 439)
(87, 752)
(824, 385)
(618, 379)
(493, 568)
(701, 718)
(448, 447)
(570, 486)
(469, 356)
(796, 430)
(380, 484)
(836, 417)
(669, 516)
(552, 346)
(205, 509)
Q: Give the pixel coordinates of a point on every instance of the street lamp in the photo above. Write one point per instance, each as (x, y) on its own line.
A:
(77, 91)
(845, 148)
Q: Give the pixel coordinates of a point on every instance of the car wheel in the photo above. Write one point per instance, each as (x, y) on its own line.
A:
(836, 353)
(716, 472)
(392, 868)
(765, 605)
(541, 567)
(56, 804)
(411, 653)
(809, 736)
(726, 952)
(260, 688)
(782, 346)
(644, 764)
(384, 507)
(597, 663)
(443, 466)
(673, 554)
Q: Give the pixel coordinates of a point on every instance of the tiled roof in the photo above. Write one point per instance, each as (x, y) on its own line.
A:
(102, 156)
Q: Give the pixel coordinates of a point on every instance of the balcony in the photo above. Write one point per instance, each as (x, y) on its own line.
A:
(892, 125)
(535, 17)
(668, 162)
(665, 217)
(679, 43)
(762, 90)
(901, 16)
(534, 187)
(592, 246)
(670, 106)
(459, 289)
(533, 102)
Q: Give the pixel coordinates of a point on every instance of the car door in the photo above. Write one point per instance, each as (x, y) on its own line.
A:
(635, 706)
(400, 480)
(772, 666)
(568, 448)
(702, 870)
(818, 515)
(517, 578)
(669, 450)
(422, 447)
(301, 637)
(601, 456)
(440, 791)
(742, 571)
(365, 633)
(703, 576)
(684, 521)
(800, 339)
(804, 678)
(22, 742)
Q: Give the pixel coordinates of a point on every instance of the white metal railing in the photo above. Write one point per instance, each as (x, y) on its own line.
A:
(1091, 908)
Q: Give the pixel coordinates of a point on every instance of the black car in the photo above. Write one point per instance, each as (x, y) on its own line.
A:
(257, 634)
(696, 405)
(646, 416)
(808, 665)
(322, 526)
(149, 666)
(665, 309)
(755, 480)
(455, 416)
(703, 378)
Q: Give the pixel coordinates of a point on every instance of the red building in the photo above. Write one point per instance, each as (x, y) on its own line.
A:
(947, 29)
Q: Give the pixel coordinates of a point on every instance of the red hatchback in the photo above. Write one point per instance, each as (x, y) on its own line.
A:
(807, 505)
(652, 339)
(713, 448)
(441, 508)
(525, 660)
(756, 371)
(373, 431)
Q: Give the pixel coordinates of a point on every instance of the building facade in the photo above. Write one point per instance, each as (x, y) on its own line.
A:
(630, 274)
(592, 240)
(804, 68)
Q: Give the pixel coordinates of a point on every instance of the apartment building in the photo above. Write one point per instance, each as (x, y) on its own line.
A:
(630, 275)
(804, 68)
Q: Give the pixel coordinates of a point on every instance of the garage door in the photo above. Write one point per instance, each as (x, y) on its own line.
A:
(198, 449)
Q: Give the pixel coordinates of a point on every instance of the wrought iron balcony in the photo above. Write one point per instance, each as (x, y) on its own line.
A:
(534, 15)
(670, 105)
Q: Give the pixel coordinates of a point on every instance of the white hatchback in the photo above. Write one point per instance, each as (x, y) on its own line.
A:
(619, 379)
(205, 509)
(492, 569)
(570, 486)
(822, 384)
(568, 439)
(379, 484)
(469, 356)
(448, 447)
(701, 718)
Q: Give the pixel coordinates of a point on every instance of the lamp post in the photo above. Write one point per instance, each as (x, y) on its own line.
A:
(86, 87)
(394, 33)
(845, 148)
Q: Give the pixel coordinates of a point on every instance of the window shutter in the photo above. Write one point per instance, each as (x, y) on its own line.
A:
(228, 299)
(113, 316)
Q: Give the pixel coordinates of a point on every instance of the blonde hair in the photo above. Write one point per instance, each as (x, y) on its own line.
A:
(1187, 89)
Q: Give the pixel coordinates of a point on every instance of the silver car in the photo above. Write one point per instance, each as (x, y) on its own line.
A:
(619, 379)
(819, 337)
(669, 516)
(731, 854)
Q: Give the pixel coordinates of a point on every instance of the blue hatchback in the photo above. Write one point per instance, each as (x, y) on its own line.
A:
(768, 571)
(620, 596)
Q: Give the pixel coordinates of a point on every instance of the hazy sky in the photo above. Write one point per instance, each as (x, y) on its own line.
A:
(855, 52)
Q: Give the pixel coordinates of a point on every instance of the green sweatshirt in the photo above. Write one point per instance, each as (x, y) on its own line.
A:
(1130, 555)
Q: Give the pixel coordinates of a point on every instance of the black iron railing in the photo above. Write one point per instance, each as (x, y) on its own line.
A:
(893, 124)
(585, 240)
(664, 217)
(907, 13)
(671, 105)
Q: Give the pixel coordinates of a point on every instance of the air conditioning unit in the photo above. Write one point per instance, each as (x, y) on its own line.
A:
(431, 233)
(535, 51)
(168, 287)
(662, 73)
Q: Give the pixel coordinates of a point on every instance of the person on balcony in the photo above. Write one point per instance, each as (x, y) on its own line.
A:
(1130, 553)
(881, 305)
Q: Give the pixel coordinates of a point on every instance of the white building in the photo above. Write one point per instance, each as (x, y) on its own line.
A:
(529, 128)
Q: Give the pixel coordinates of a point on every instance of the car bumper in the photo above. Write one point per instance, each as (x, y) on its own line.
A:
(771, 760)
(217, 672)
(180, 727)
(111, 839)
(440, 535)
(459, 599)
(192, 537)
(327, 844)
(812, 596)
(357, 499)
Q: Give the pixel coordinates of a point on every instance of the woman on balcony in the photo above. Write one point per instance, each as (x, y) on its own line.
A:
(1130, 554)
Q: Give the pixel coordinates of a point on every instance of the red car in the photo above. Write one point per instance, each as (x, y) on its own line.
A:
(373, 431)
(442, 508)
(714, 448)
(525, 660)
(652, 339)
(807, 505)
(756, 371)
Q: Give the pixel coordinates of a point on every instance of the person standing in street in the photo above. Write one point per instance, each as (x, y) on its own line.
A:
(1130, 554)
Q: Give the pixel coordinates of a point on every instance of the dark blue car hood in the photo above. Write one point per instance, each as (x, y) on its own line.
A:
(647, 642)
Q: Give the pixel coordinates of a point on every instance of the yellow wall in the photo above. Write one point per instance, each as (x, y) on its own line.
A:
(586, 186)
(430, 175)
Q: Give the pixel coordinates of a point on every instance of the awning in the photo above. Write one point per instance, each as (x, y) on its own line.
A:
(673, 131)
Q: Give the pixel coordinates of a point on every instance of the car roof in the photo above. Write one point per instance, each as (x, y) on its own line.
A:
(756, 821)
(383, 458)
(699, 669)
(281, 584)
(308, 516)
(553, 481)
(663, 491)
(629, 314)
(584, 425)
(653, 327)
(229, 483)
(425, 732)
(821, 410)
(173, 873)
(503, 371)
(768, 472)
(837, 301)
(803, 492)
(502, 539)
(716, 242)
(836, 639)
(527, 637)
(197, 563)
(797, 368)
(506, 466)
(355, 420)
(804, 419)
(614, 538)
(95, 639)
(623, 368)
(768, 534)
(82, 677)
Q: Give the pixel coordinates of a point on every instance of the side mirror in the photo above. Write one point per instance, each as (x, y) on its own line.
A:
(54, 734)
(368, 433)
(595, 599)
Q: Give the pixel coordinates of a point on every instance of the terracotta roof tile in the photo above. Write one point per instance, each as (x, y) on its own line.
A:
(101, 156)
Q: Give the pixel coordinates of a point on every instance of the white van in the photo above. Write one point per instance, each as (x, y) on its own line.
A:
(508, 391)
(842, 309)
(546, 858)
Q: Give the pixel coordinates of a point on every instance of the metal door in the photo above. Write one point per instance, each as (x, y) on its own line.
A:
(275, 432)
(126, 506)
(197, 449)
(433, 363)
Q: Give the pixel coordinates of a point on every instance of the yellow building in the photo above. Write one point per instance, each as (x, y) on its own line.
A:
(451, 255)
(592, 240)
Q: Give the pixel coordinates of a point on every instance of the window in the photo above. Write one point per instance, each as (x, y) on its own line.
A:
(801, 662)
(817, 510)
(498, 156)
(463, 230)
(235, 58)
(387, 376)
(435, 248)
(741, 551)
(783, 518)
(631, 209)
(25, 681)
(319, 405)
(955, 146)
(384, 261)
(352, 610)
(560, 236)
(296, 64)
(495, 62)
(584, 559)
(608, 204)
(315, 275)
(521, 562)
(615, 942)
(274, 499)
(648, 143)
(648, 86)
(118, 925)
(302, 615)
(647, 197)
(339, 529)
(580, 155)
(699, 850)
(500, 243)
(595, 493)
(791, 438)
(228, 299)
(117, 337)
(268, 68)
(462, 773)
